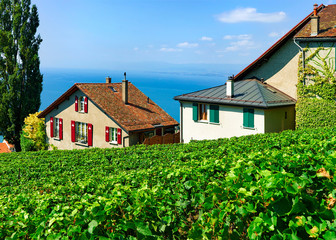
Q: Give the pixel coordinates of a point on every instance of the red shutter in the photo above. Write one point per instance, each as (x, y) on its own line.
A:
(76, 103)
(73, 131)
(119, 136)
(90, 134)
(107, 134)
(60, 129)
(85, 104)
(51, 127)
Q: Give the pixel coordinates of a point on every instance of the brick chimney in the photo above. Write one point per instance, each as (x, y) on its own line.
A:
(230, 87)
(315, 22)
(108, 80)
(124, 90)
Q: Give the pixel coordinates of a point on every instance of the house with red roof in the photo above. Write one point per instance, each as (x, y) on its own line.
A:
(262, 97)
(104, 115)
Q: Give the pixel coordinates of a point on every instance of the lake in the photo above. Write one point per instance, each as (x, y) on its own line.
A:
(160, 86)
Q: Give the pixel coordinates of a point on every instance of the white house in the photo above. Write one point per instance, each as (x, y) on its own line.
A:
(235, 109)
(261, 98)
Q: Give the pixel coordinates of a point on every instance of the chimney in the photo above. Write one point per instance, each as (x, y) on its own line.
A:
(125, 90)
(315, 22)
(230, 87)
(108, 79)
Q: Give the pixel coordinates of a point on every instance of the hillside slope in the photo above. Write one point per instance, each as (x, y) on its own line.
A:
(271, 186)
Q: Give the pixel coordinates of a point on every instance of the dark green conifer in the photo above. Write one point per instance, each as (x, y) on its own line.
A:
(20, 76)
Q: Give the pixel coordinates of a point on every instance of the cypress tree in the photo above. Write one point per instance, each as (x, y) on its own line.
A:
(20, 76)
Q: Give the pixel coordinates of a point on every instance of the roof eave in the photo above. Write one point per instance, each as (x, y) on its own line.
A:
(58, 101)
(315, 39)
(245, 104)
(153, 128)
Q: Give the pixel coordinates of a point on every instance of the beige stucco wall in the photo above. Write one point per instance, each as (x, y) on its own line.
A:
(230, 124)
(275, 119)
(99, 120)
(281, 69)
(329, 50)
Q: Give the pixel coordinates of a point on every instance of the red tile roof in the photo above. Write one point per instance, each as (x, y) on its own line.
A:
(4, 148)
(291, 34)
(327, 28)
(138, 114)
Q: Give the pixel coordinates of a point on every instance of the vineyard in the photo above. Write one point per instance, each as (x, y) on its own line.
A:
(270, 186)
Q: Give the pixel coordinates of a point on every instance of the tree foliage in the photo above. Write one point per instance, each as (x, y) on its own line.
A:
(20, 77)
(33, 136)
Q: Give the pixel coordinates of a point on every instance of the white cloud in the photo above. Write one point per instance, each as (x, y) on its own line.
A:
(239, 37)
(187, 45)
(136, 49)
(274, 34)
(206, 38)
(277, 34)
(170, 49)
(250, 15)
(240, 45)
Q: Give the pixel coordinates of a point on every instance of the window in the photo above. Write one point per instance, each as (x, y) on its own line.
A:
(113, 135)
(56, 128)
(248, 121)
(81, 104)
(203, 112)
(81, 132)
(200, 113)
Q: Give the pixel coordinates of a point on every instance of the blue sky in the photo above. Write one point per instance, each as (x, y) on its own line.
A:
(119, 34)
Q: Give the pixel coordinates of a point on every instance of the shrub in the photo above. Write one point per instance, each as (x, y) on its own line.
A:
(315, 112)
(33, 136)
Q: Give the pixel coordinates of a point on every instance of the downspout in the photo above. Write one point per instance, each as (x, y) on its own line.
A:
(181, 122)
(303, 57)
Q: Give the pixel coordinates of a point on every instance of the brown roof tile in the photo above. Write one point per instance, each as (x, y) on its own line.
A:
(138, 114)
(4, 148)
(327, 24)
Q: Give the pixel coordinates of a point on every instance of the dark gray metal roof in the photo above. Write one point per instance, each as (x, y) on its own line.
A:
(249, 92)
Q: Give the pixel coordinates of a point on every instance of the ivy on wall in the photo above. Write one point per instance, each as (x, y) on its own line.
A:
(316, 88)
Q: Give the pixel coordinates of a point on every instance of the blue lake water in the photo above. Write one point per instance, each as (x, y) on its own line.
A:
(161, 87)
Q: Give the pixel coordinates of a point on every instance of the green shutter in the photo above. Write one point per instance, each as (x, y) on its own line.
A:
(245, 122)
(251, 118)
(214, 113)
(195, 111)
(248, 120)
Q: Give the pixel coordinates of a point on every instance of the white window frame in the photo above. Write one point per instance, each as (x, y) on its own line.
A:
(113, 135)
(81, 132)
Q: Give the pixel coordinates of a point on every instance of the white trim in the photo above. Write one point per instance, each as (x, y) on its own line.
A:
(4, 141)
(249, 128)
(111, 136)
